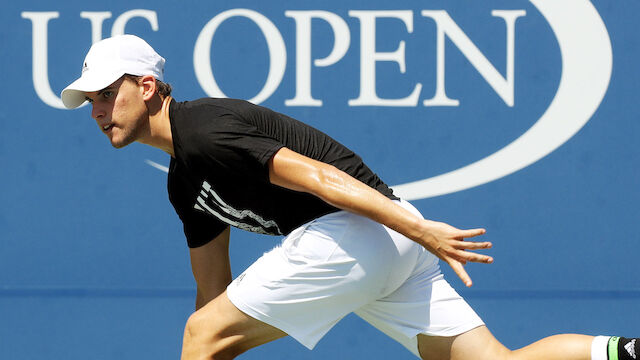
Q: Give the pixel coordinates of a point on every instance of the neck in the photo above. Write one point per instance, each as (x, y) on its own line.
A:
(159, 135)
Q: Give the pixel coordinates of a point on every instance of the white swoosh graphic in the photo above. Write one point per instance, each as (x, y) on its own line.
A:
(587, 61)
(157, 166)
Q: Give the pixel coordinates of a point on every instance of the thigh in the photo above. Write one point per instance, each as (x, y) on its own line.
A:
(475, 344)
(219, 327)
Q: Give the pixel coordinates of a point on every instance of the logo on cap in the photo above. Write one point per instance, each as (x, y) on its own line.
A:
(84, 67)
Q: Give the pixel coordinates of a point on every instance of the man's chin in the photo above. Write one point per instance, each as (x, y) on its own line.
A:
(120, 144)
(122, 138)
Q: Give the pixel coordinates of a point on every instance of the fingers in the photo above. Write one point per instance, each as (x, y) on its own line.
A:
(462, 274)
(449, 244)
(463, 255)
(471, 233)
(472, 245)
(478, 258)
(458, 258)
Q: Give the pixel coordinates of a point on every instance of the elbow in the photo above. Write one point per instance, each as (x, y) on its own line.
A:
(330, 184)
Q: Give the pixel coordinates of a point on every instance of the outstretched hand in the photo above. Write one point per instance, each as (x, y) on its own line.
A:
(448, 243)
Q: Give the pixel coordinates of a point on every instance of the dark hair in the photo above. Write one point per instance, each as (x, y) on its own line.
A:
(163, 89)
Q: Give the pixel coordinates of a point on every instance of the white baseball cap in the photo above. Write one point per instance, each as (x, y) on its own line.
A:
(107, 61)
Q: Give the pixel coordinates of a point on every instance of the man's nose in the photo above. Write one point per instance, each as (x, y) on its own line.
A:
(97, 112)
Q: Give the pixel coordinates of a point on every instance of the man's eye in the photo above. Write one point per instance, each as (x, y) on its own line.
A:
(107, 94)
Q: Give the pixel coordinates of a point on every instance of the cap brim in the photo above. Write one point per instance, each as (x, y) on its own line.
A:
(74, 94)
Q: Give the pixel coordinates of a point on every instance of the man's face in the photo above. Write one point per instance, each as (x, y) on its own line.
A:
(120, 111)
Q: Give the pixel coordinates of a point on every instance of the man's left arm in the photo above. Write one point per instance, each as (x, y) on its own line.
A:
(294, 171)
(211, 268)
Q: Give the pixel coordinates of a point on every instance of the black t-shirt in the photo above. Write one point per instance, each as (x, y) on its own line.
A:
(220, 177)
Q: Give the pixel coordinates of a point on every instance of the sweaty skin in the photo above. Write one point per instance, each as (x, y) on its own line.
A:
(133, 111)
(128, 111)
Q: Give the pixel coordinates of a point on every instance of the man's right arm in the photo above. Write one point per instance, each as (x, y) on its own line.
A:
(297, 172)
(211, 268)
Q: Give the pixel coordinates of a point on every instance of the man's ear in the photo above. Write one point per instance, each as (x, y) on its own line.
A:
(148, 83)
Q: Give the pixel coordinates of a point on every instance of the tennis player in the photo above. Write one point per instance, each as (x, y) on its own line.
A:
(350, 245)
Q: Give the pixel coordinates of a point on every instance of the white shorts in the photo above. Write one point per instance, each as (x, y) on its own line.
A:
(342, 263)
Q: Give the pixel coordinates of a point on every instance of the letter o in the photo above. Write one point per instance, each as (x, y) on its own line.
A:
(275, 43)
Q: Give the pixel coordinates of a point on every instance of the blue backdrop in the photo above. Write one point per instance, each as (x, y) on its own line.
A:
(518, 116)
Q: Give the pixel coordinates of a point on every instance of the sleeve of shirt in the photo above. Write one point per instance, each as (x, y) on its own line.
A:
(239, 147)
(199, 228)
